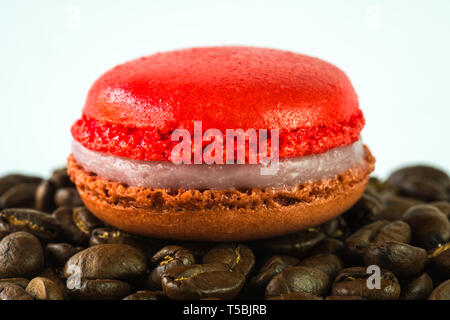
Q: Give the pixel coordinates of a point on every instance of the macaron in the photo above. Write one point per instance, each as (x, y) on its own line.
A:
(220, 144)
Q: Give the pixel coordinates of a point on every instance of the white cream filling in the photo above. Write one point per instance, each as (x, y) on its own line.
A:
(165, 174)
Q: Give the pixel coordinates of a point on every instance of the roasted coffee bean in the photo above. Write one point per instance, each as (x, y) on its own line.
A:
(237, 257)
(345, 298)
(54, 274)
(100, 289)
(76, 224)
(418, 288)
(329, 264)
(274, 265)
(370, 190)
(443, 206)
(278, 264)
(68, 197)
(21, 195)
(296, 244)
(32, 221)
(375, 232)
(296, 296)
(44, 289)
(146, 295)
(430, 227)
(3, 233)
(368, 209)
(441, 292)
(381, 187)
(298, 279)
(354, 282)
(440, 261)
(202, 281)
(382, 224)
(44, 196)
(421, 182)
(59, 253)
(107, 261)
(61, 179)
(21, 282)
(329, 245)
(198, 249)
(336, 228)
(402, 259)
(97, 272)
(11, 291)
(21, 255)
(394, 231)
(109, 235)
(165, 259)
(396, 207)
(11, 180)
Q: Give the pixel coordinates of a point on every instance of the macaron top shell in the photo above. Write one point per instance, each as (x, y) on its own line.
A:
(132, 109)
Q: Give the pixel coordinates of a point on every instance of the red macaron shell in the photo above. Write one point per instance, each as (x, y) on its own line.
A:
(132, 109)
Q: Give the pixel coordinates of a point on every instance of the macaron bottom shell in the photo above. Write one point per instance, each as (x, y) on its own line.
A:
(220, 215)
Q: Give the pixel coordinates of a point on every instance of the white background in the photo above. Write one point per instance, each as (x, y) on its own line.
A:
(397, 54)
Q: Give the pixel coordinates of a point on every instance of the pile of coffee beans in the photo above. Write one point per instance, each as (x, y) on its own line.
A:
(392, 244)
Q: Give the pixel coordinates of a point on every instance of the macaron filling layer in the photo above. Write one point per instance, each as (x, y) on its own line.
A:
(164, 174)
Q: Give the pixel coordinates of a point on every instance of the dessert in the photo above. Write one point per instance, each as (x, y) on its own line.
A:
(123, 165)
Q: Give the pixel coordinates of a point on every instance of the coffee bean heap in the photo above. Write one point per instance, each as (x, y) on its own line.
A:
(53, 248)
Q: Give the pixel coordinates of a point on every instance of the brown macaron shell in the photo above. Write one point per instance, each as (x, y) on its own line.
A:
(220, 215)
